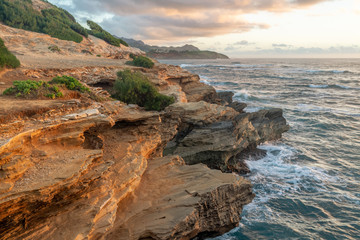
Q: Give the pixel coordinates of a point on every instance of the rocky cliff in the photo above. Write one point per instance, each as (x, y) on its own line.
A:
(184, 52)
(85, 169)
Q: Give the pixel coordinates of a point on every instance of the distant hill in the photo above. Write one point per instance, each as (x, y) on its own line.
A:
(43, 17)
(185, 52)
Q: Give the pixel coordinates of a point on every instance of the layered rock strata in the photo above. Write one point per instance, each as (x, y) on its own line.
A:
(97, 170)
(84, 176)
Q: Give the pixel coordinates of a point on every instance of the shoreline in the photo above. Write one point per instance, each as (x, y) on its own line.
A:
(91, 169)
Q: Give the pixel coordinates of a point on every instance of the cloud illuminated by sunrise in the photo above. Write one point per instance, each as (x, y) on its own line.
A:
(301, 24)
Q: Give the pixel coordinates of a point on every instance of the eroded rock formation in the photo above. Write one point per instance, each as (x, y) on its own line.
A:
(80, 169)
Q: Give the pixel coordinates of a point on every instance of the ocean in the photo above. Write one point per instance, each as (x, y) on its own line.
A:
(308, 184)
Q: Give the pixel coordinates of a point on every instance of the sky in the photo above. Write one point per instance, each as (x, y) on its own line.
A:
(237, 28)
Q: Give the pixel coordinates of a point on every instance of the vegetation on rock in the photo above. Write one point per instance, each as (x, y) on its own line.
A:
(141, 61)
(7, 59)
(98, 32)
(53, 21)
(70, 83)
(30, 88)
(52, 89)
(135, 88)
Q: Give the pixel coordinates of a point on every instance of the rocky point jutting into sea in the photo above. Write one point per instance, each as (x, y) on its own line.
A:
(79, 168)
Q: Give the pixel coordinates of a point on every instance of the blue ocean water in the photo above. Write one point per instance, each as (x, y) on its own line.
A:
(308, 185)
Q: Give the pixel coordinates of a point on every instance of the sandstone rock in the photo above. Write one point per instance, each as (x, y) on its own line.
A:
(26, 43)
(201, 113)
(166, 207)
(96, 170)
(217, 144)
(164, 76)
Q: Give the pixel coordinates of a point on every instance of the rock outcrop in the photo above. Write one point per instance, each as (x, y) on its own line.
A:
(217, 142)
(81, 169)
(169, 191)
(93, 173)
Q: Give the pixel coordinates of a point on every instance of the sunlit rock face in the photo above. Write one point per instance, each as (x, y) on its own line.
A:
(100, 169)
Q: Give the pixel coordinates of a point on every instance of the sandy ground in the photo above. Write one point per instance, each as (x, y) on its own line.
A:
(32, 49)
(60, 61)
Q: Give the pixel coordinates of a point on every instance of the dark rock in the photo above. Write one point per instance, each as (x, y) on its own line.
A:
(238, 106)
(218, 144)
(226, 97)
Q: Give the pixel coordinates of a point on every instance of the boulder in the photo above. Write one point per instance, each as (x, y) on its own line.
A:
(218, 144)
(226, 97)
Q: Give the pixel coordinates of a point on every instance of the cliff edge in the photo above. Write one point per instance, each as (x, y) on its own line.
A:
(95, 168)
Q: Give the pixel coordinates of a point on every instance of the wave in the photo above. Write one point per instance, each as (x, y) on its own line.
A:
(204, 79)
(352, 112)
(332, 86)
(272, 77)
(276, 169)
(326, 71)
(184, 65)
(243, 94)
(224, 84)
(318, 86)
(275, 176)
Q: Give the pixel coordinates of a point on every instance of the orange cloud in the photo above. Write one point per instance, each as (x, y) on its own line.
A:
(180, 19)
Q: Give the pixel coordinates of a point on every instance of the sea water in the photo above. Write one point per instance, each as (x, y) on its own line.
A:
(308, 184)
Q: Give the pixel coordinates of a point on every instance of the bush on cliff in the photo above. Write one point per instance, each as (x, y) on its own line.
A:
(70, 83)
(51, 89)
(31, 89)
(53, 21)
(141, 61)
(98, 32)
(7, 59)
(135, 88)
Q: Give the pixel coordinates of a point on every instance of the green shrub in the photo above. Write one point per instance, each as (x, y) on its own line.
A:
(98, 32)
(54, 48)
(54, 21)
(98, 55)
(52, 89)
(7, 59)
(50, 95)
(70, 83)
(142, 61)
(135, 88)
(30, 88)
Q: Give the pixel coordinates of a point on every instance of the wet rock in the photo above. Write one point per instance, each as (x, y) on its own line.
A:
(226, 97)
(218, 144)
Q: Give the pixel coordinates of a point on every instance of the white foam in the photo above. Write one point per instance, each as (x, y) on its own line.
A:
(204, 79)
(251, 109)
(275, 176)
(184, 65)
(342, 86)
(242, 94)
(318, 86)
(277, 173)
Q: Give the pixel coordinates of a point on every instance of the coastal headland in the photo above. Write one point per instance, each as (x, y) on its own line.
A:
(82, 167)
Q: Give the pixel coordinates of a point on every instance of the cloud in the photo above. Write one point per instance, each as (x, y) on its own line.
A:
(177, 19)
(243, 43)
(334, 51)
(281, 45)
(238, 45)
